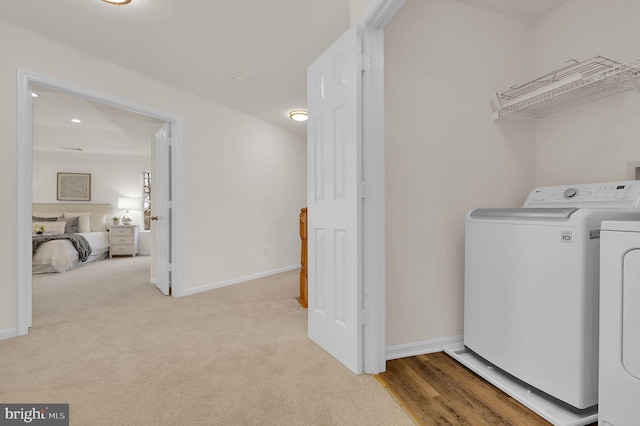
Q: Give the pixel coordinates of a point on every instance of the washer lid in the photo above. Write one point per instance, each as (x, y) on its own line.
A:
(621, 225)
(524, 213)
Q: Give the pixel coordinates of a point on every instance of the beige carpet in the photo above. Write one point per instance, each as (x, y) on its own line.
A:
(111, 345)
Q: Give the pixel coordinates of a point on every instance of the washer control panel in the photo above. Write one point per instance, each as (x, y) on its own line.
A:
(611, 194)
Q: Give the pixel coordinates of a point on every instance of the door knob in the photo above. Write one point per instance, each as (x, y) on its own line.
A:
(154, 218)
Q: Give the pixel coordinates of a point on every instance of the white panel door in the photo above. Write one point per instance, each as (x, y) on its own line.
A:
(160, 208)
(334, 204)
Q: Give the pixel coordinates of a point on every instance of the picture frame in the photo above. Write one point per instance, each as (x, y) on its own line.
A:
(74, 186)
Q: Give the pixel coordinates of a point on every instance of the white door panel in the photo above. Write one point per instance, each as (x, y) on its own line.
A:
(334, 205)
(160, 208)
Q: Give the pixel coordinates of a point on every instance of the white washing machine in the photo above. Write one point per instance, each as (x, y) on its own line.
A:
(619, 324)
(531, 285)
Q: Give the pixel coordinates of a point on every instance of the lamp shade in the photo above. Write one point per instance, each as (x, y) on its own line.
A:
(129, 203)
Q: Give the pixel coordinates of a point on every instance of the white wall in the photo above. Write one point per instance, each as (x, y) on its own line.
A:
(444, 153)
(357, 9)
(244, 180)
(594, 142)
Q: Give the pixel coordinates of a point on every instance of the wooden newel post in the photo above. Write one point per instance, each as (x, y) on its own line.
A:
(303, 258)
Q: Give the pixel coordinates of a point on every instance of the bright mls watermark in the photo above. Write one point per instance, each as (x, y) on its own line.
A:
(34, 414)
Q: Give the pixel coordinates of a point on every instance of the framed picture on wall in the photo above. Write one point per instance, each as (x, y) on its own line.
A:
(74, 186)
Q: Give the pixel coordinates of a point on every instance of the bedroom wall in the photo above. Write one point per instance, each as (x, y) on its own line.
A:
(244, 179)
(445, 155)
(112, 176)
(594, 142)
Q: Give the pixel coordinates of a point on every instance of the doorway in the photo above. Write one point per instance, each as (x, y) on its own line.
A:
(113, 147)
(170, 242)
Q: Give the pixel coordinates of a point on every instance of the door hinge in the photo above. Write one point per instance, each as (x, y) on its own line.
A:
(365, 62)
(363, 189)
(363, 317)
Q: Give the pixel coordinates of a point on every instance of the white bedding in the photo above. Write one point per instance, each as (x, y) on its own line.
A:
(61, 256)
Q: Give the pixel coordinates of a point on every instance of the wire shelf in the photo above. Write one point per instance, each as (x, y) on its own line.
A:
(570, 86)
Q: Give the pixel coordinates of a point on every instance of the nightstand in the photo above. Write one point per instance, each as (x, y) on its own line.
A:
(123, 240)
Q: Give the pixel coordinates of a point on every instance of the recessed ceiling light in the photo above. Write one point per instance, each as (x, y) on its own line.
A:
(298, 115)
(34, 95)
(117, 2)
(76, 120)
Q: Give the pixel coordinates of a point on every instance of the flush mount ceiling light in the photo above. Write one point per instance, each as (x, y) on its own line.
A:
(240, 79)
(117, 2)
(298, 115)
(76, 120)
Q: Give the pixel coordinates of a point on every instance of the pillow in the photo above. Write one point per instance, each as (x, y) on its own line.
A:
(72, 224)
(84, 220)
(53, 228)
(45, 214)
(98, 222)
(43, 219)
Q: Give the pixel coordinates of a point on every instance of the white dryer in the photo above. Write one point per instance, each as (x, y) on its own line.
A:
(531, 285)
(619, 324)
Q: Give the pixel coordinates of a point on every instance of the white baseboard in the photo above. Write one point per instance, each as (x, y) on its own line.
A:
(153, 281)
(213, 286)
(419, 348)
(8, 334)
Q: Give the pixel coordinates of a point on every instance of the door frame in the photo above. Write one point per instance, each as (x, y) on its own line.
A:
(24, 180)
(375, 19)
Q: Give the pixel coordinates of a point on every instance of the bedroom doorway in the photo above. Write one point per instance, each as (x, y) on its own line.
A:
(113, 148)
(166, 161)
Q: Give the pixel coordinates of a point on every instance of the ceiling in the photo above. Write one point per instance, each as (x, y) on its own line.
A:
(200, 45)
(197, 46)
(103, 129)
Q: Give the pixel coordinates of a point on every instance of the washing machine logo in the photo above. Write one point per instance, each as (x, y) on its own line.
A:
(565, 237)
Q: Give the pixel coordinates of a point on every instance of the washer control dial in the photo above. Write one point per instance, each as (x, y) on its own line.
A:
(570, 193)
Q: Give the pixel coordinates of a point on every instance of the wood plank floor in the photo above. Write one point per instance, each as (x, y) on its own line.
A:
(437, 390)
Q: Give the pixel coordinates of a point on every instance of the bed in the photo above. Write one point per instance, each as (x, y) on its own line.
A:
(55, 253)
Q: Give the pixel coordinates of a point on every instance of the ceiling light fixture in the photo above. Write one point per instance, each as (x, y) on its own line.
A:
(117, 2)
(240, 79)
(76, 120)
(298, 115)
(34, 95)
